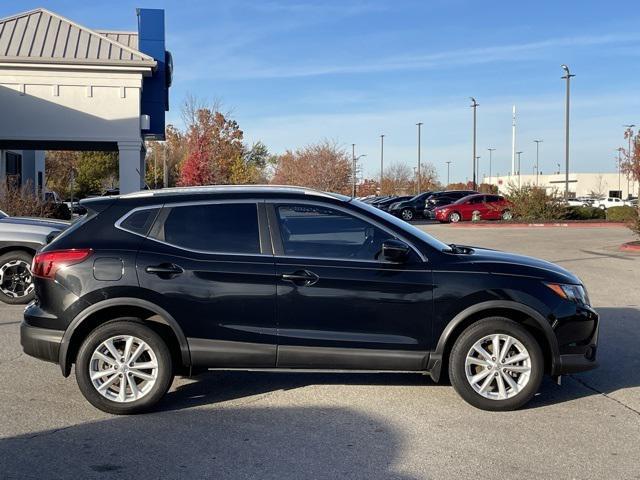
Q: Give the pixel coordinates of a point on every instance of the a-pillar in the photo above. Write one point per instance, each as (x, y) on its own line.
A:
(131, 166)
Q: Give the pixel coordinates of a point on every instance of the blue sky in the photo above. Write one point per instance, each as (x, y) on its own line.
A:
(297, 72)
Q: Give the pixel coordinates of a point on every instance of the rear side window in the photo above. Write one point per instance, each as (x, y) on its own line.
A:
(140, 221)
(216, 228)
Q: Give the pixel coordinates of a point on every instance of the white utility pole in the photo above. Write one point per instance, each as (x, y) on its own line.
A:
(513, 143)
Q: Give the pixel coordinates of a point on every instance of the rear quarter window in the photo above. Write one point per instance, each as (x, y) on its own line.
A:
(139, 221)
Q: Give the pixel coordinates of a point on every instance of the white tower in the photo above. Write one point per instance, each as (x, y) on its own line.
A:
(513, 143)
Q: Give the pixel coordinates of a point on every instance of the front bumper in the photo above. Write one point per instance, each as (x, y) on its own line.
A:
(42, 343)
(577, 336)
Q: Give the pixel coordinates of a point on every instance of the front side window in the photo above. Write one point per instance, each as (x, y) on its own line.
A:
(321, 232)
(216, 228)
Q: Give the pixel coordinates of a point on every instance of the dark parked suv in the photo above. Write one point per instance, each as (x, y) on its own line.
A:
(154, 284)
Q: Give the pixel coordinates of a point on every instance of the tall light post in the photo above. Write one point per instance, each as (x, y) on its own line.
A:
(491, 150)
(518, 154)
(381, 161)
(478, 170)
(619, 150)
(474, 105)
(419, 125)
(538, 142)
(630, 135)
(567, 76)
(355, 168)
(448, 164)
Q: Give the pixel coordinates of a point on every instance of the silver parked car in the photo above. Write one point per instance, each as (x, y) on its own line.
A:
(20, 239)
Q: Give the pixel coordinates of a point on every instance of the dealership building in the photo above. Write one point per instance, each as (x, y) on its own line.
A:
(580, 184)
(64, 86)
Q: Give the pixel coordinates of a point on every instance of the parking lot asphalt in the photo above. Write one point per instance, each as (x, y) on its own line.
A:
(269, 425)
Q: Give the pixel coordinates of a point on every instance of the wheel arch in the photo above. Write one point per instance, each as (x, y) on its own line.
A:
(533, 320)
(30, 248)
(98, 313)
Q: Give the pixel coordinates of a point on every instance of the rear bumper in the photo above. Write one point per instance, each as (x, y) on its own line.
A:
(42, 343)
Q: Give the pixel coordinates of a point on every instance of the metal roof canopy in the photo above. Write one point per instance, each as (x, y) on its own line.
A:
(41, 36)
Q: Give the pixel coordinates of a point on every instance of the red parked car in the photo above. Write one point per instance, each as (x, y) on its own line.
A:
(489, 207)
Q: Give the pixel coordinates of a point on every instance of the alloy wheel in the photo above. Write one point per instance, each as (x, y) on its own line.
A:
(15, 279)
(407, 215)
(123, 368)
(507, 215)
(454, 217)
(498, 366)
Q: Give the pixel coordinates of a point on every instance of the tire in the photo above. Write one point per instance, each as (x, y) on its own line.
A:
(507, 215)
(454, 217)
(407, 214)
(16, 282)
(495, 398)
(89, 362)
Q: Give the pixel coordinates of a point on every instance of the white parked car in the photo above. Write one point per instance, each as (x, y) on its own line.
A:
(607, 202)
(575, 202)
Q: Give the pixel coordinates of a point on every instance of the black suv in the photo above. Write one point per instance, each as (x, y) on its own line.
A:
(154, 284)
(411, 208)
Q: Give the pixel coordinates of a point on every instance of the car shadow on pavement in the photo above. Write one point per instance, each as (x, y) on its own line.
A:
(235, 442)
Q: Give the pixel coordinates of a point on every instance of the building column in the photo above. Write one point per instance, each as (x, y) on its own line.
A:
(131, 166)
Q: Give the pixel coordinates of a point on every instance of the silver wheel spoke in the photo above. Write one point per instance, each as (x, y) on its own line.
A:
(144, 376)
(505, 348)
(127, 349)
(510, 381)
(518, 369)
(516, 358)
(501, 390)
(486, 383)
(495, 342)
(476, 378)
(112, 349)
(134, 387)
(141, 348)
(144, 365)
(108, 383)
(478, 361)
(482, 351)
(103, 373)
(104, 358)
(122, 394)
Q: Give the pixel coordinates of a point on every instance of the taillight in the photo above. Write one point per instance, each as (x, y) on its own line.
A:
(46, 264)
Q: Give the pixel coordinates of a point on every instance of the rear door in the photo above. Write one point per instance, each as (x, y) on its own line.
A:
(210, 265)
(339, 305)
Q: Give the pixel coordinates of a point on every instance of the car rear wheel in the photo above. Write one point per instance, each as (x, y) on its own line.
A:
(407, 214)
(496, 364)
(507, 215)
(124, 367)
(16, 282)
(454, 217)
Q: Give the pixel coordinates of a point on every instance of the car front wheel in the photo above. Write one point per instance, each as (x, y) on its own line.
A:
(496, 364)
(507, 215)
(124, 367)
(454, 217)
(407, 214)
(16, 282)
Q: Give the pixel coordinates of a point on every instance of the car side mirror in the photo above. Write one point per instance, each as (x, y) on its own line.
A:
(395, 251)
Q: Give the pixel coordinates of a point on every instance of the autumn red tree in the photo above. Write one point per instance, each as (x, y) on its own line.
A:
(324, 166)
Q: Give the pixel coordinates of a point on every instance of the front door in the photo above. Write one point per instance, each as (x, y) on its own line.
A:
(211, 267)
(338, 304)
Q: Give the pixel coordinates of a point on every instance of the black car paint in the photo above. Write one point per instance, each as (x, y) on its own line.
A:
(415, 204)
(237, 311)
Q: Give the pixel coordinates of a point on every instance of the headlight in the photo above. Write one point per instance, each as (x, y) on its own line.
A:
(573, 293)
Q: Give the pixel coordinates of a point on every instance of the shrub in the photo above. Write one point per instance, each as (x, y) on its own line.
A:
(584, 213)
(21, 201)
(634, 225)
(622, 214)
(532, 203)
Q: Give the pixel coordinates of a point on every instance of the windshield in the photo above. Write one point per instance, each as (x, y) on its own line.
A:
(3, 215)
(407, 227)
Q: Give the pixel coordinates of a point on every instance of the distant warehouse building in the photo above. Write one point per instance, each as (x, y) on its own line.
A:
(580, 184)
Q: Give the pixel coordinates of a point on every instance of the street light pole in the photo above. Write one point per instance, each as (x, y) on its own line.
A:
(478, 168)
(353, 168)
(567, 76)
(518, 154)
(537, 142)
(619, 150)
(419, 125)
(448, 182)
(629, 134)
(491, 150)
(474, 105)
(381, 161)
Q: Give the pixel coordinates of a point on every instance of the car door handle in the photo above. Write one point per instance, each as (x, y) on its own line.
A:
(301, 277)
(164, 270)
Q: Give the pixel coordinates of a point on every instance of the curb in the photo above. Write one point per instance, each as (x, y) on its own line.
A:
(540, 225)
(630, 247)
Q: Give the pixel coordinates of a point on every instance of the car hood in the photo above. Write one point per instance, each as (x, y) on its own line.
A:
(35, 222)
(504, 263)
